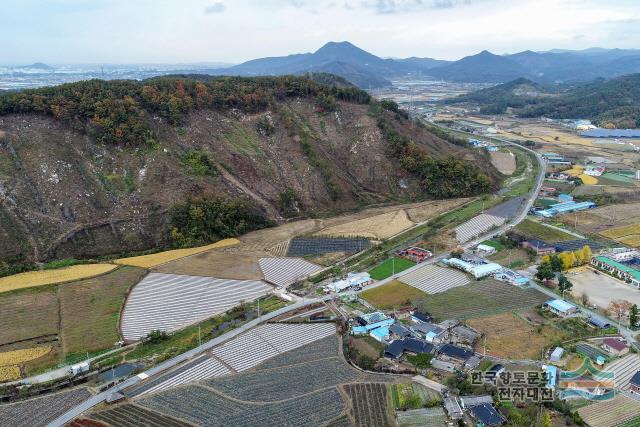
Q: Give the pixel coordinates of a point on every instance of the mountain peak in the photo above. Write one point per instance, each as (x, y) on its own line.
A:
(338, 48)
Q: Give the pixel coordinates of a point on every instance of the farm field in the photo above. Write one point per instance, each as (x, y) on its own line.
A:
(285, 271)
(510, 337)
(378, 227)
(153, 260)
(588, 179)
(625, 234)
(129, 415)
(297, 387)
(214, 263)
(392, 294)
(504, 162)
(511, 258)
(40, 411)
(304, 246)
(72, 318)
(270, 346)
(168, 302)
(476, 226)
(602, 288)
(369, 402)
(539, 231)
(432, 417)
(433, 279)
(389, 267)
(387, 222)
(48, 277)
(610, 413)
(480, 299)
(90, 310)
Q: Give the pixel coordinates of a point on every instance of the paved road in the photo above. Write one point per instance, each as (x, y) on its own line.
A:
(168, 364)
(521, 215)
(95, 400)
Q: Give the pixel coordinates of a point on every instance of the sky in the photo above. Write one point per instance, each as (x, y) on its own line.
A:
(233, 31)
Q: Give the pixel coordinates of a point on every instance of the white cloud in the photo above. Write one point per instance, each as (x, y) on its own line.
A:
(152, 31)
(217, 7)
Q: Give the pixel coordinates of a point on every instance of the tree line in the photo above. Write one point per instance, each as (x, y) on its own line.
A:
(117, 111)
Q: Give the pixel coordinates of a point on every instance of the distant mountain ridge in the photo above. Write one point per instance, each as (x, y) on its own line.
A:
(609, 103)
(369, 71)
(358, 66)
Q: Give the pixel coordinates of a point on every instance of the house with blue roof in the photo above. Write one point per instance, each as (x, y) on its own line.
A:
(560, 307)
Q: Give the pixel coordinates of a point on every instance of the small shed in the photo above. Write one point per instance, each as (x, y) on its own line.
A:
(599, 322)
(556, 354)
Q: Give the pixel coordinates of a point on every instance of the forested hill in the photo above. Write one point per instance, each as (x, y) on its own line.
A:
(100, 167)
(611, 103)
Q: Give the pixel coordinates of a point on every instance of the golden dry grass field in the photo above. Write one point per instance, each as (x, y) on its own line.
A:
(627, 234)
(9, 373)
(17, 357)
(377, 227)
(154, 260)
(511, 337)
(11, 361)
(48, 277)
(588, 179)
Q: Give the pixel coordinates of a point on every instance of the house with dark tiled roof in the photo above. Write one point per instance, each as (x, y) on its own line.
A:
(615, 346)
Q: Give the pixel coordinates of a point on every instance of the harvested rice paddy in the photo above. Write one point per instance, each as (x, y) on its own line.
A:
(48, 277)
(588, 179)
(154, 260)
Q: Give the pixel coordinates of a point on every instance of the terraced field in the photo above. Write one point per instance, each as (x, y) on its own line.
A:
(283, 342)
(128, 415)
(480, 299)
(48, 277)
(625, 234)
(201, 406)
(392, 294)
(40, 411)
(610, 413)
(72, 318)
(154, 260)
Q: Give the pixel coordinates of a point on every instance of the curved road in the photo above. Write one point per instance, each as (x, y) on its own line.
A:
(168, 364)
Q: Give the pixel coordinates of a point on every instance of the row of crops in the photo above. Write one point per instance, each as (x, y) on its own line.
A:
(369, 402)
(286, 382)
(134, 416)
(40, 411)
(303, 246)
(201, 406)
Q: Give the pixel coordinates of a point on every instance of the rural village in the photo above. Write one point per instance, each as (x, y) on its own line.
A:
(457, 312)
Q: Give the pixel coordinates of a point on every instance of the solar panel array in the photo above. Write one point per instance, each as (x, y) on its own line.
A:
(241, 353)
(573, 245)
(169, 302)
(433, 279)
(285, 271)
(476, 226)
(301, 246)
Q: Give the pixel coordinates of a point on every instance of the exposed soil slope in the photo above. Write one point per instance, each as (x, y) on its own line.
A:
(63, 193)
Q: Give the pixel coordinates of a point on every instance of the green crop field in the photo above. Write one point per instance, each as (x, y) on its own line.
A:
(542, 232)
(479, 299)
(389, 266)
(392, 294)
